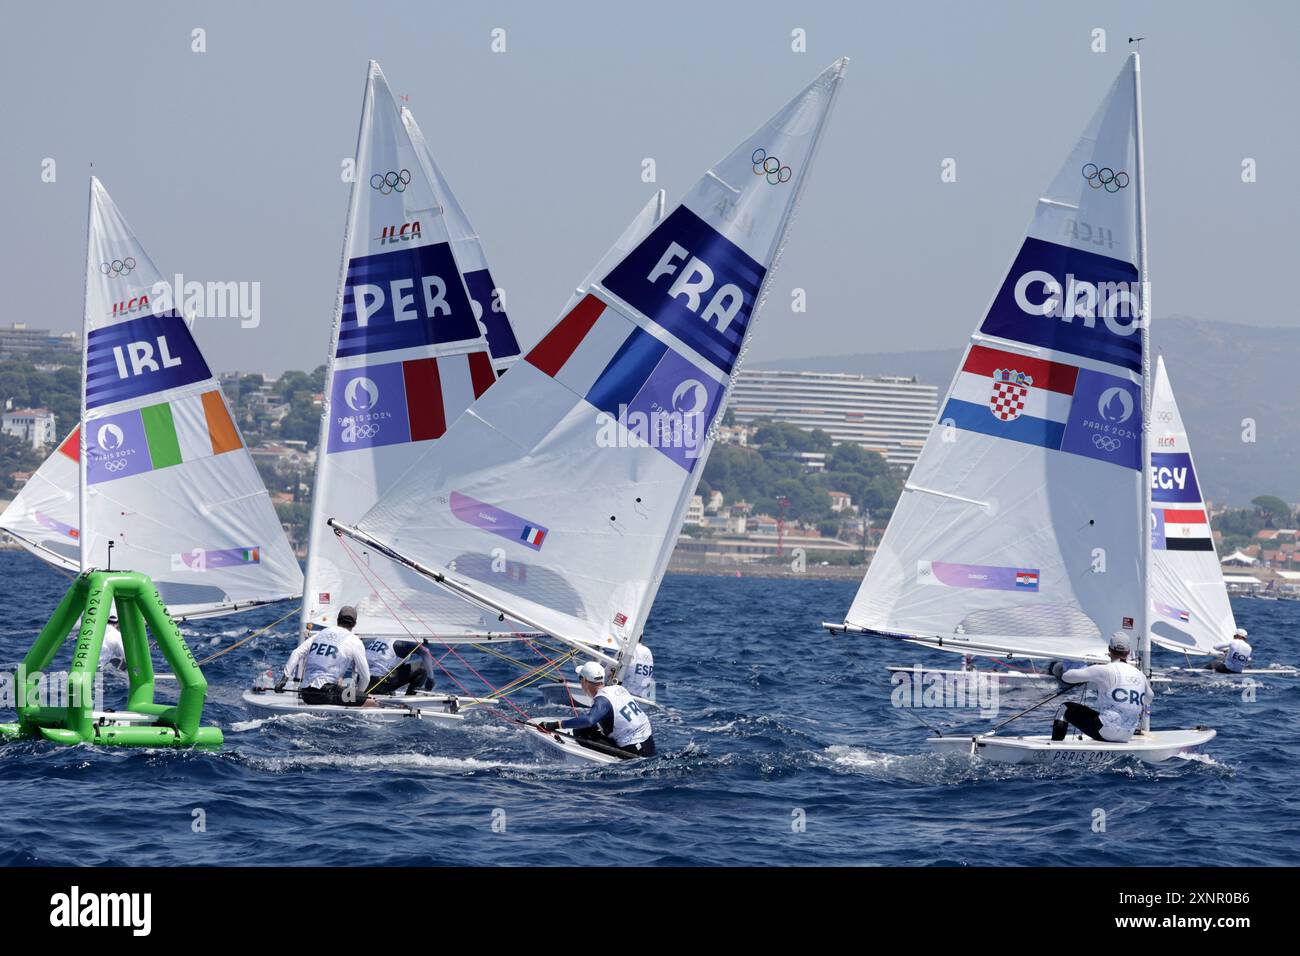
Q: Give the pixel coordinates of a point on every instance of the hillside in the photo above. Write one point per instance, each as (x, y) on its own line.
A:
(1222, 374)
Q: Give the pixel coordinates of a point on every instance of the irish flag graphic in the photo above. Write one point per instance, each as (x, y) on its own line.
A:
(159, 436)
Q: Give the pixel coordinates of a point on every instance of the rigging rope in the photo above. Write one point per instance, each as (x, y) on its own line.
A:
(245, 640)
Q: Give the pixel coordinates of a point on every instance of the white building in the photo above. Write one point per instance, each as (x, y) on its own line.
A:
(695, 511)
(34, 425)
(889, 415)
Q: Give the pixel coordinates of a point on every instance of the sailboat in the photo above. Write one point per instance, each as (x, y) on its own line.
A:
(1191, 610)
(1023, 530)
(419, 332)
(1191, 613)
(579, 464)
(164, 484)
(43, 516)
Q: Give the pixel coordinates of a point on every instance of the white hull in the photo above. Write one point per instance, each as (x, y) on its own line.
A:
(440, 707)
(563, 744)
(1154, 747)
(1186, 672)
(1006, 679)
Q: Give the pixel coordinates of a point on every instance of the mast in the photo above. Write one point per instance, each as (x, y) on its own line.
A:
(323, 436)
(1144, 638)
(85, 348)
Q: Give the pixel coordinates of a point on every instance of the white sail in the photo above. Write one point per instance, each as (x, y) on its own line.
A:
(1190, 601)
(576, 466)
(407, 358)
(487, 299)
(1021, 526)
(164, 472)
(43, 517)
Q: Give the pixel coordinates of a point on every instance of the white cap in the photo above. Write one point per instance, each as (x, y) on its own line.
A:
(1119, 642)
(591, 671)
(1241, 632)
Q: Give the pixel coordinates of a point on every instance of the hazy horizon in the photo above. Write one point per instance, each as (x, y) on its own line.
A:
(227, 162)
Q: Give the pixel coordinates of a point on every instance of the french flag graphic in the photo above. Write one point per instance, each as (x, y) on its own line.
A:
(532, 536)
(621, 369)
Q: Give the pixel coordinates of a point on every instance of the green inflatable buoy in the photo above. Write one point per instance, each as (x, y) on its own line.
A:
(92, 598)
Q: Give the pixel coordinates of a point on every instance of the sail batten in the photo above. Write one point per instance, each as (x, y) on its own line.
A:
(569, 525)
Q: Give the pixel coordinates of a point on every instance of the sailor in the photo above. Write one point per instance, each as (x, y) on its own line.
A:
(1123, 692)
(322, 662)
(640, 676)
(112, 654)
(614, 719)
(398, 664)
(1236, 654)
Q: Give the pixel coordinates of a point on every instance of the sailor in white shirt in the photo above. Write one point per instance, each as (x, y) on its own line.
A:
(323, 661)
(1123, 692)
(112, 654)
(1236, 654)
(614, 719)
(639, 679)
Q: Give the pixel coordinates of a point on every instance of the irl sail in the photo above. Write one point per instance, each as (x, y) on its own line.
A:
(407, 358)
(43, 517)
(1189, 599)
(1021, 526)
(164, 473)
(560, 493)
(486, 298)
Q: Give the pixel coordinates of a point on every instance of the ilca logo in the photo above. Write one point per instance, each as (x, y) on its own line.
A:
(403, 233)
(1010, 392)
(390, 182)
(770, 167)
(1103, 177)
(118, 267)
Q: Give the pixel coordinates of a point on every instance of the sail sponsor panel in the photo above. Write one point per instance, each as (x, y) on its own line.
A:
(1052, 405)
(200, 559)
(140, 357)
(983, 576)
(497, 521)
(1069, 300)
(694, 282)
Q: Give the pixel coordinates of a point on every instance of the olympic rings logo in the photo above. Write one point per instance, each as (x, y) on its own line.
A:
(1106, 442)
(116, 464)
(390, 182)
(118, 267)
(1105, 178)
(770, 167)
(355, 433)
(1165, 416)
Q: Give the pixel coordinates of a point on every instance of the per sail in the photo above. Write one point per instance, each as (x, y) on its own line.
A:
(407, 358)
(1190, 602)
(44, 515)
(166, 476)
(576, 466)
(1020, 528)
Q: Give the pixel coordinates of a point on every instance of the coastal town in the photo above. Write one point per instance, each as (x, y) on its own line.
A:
(803, 479)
